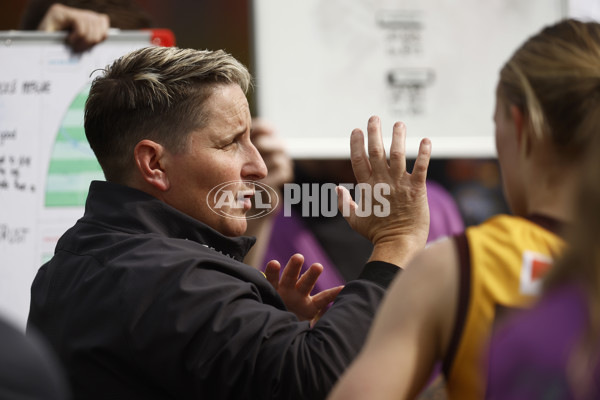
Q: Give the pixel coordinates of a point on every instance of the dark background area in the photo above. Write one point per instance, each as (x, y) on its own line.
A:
(227, 24)
(223, 24)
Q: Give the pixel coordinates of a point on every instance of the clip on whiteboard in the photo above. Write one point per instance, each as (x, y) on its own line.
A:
(162, 37)
(158, 37)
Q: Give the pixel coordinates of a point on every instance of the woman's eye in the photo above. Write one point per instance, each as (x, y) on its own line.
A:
(230, 144)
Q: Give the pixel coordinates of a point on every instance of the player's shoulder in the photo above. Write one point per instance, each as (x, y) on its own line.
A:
(437, 258)
(500, 222)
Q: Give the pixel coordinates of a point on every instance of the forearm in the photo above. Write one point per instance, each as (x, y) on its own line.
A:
(411, 331)
(395, 252)
(311, 363)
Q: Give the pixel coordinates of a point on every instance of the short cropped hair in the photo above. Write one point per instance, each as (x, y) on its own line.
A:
(154, 93)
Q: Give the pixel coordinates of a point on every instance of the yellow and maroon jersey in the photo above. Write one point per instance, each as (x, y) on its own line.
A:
(502, 262)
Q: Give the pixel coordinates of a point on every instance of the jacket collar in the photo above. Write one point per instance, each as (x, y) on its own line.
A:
(127, 209)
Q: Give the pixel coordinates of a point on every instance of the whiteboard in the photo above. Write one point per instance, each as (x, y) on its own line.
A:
(323, 67)
(46, 164)
(584, 9)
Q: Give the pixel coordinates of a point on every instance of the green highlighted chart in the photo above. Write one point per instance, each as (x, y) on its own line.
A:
(46, 164)
(72, 162)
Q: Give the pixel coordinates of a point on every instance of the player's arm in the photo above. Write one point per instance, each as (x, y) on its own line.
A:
(411, 331)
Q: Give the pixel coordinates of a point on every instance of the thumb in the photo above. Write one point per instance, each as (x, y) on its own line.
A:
(321, 299)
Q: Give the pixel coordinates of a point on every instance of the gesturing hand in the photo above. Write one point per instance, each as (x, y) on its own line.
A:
(401, 227)
(295, 289)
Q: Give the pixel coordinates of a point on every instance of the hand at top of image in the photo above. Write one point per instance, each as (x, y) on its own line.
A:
(87, 28)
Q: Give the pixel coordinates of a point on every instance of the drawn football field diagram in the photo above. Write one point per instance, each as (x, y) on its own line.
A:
(72, 162)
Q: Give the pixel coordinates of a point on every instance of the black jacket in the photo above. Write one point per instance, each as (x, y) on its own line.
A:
(141, 301)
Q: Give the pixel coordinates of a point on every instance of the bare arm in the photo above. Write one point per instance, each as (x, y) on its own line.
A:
(411, 330)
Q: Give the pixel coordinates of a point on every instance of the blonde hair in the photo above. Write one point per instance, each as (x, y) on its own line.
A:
(554, 79)
(153, 93)
(581, 261)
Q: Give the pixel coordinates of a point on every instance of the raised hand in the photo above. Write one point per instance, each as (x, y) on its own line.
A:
(281, 171)
(272, 149)
(400, 228)
(295, 289)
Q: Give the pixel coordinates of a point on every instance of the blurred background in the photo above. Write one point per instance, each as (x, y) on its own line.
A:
(223, 24)
(227, 24)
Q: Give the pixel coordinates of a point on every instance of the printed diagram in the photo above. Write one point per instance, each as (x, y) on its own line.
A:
(72, 163)
(403, 32)
(407, 89)
(407, 85)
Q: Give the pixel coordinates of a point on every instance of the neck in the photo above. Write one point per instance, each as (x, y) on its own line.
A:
(550, 192)
(138, 183)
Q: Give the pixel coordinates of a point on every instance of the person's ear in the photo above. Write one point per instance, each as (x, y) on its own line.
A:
(521, 130)
(149, 158)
